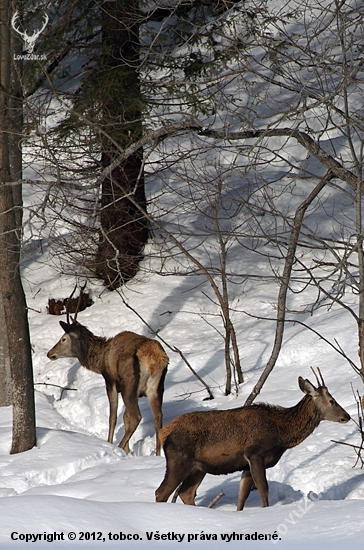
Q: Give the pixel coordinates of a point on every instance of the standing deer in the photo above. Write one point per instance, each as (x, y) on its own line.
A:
(250, 438)
(131, 364)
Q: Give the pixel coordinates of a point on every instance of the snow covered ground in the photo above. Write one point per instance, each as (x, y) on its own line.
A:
(75, 484)
(74, 488)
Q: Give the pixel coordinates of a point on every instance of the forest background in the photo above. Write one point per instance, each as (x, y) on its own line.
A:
(207, 146)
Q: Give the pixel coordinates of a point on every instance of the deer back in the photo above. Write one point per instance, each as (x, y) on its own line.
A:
(260, 427)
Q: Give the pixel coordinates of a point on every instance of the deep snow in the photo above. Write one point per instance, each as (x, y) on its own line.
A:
(74, 481)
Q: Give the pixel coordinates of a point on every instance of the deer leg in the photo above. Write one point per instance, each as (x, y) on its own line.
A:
(187, 492)
(154, 393)
(245, 485)
(132, 417)
(176, 472)
(112, 395)
(156, 407)
(257, 470)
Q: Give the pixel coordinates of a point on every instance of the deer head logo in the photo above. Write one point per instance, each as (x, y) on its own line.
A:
(28, 40)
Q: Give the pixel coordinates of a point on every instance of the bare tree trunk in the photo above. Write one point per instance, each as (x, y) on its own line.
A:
(356, 155)
(5, 392)
(359, 232)
(11, 80)
(124, 231)
(342, 32)
(13, 302)
(284, 285)
(230, 335)
(5, 373)
(16, 121)
(227, 362)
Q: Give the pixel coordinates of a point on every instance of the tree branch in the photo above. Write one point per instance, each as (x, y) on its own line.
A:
(303, 138)
(284, 285)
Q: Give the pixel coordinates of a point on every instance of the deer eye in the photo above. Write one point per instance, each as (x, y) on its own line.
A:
(332, 401)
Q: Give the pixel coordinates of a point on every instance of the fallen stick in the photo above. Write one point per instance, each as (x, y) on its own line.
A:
(216, 499)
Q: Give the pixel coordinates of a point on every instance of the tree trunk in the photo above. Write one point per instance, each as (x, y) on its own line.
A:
(16, 121)
(12, 303)
(5, 391)
(284, 284)
(360, 252)
(124, 231)
(5, 373)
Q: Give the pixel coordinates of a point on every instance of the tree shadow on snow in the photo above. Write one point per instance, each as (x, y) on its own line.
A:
(343, 490)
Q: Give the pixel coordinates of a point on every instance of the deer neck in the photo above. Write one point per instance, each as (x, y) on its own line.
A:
(298, 422)
(91, 354)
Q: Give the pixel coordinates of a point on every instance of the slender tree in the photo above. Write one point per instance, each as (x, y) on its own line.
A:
(13, 308)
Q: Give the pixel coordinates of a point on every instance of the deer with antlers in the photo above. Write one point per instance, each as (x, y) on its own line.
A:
(248, 439)
(131, 364)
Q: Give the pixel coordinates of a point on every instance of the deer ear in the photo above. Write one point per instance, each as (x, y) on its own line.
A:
(66, 327)
(307, 387)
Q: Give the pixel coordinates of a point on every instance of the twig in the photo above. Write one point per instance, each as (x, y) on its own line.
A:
(176, 493)
(357, 448)
(338, 349)
(176, 350)
(347, 444)
(172, 348)
(62, 388)
(216, 499)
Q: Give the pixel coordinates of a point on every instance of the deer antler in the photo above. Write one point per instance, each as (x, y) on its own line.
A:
(74, 319)
(322, 378)
(79, 301)
(319, 382)
(67, 305)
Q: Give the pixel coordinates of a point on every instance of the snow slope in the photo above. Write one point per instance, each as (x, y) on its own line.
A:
(75, 482)
(74, 488)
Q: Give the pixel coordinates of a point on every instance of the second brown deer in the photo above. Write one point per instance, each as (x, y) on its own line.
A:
(131, 364)
(248, 439)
